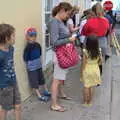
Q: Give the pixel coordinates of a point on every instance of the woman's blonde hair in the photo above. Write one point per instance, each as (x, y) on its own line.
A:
(98, 9)
(74, 10)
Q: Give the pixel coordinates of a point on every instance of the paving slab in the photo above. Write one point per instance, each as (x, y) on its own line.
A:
(105, 103)
(115, 99)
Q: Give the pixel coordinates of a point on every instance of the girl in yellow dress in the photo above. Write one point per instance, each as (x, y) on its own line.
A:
(90, 74)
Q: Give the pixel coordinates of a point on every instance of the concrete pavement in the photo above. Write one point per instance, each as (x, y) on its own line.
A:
(106, 101)
(115, 90)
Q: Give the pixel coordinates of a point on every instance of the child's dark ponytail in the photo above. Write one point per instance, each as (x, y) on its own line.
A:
(92, 46)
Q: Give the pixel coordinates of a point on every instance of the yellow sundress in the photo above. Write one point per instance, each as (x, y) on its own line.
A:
(91, 73)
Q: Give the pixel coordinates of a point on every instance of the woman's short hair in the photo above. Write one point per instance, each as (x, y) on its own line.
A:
(98, 9)
(63, 5)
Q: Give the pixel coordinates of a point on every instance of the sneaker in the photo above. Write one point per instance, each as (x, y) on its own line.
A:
(44, 98)
(98, 85)
(47, 93)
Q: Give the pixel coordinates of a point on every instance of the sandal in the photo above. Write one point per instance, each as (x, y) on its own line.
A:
(66, 98)
(58, 109)
(87, 104)
(98, 85)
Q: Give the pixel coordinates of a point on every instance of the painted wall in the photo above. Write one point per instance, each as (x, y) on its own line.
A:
(21, 14)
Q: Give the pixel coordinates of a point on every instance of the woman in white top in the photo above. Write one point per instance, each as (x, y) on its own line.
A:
(71, 23)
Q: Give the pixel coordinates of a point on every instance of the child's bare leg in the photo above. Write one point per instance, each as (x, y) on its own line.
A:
(18, 112)
(37, 92)
(3, 114)
(91, 95)
(86, 95)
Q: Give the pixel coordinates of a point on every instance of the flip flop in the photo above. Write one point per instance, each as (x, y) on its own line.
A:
(87, 105)
(66, 98)
(58, 109)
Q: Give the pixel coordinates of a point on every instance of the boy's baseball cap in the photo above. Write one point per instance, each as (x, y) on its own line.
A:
(31, 31)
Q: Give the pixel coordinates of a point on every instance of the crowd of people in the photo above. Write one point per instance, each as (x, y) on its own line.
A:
(92, 34)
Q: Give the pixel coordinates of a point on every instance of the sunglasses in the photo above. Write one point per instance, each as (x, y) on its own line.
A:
(32, 34)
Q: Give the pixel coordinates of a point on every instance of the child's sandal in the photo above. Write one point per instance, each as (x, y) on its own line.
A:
(87, 104)
(65, 98)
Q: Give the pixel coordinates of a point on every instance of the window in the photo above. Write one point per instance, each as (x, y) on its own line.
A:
(48, 9)
(76, 2)
(88, 4)
(49, 4)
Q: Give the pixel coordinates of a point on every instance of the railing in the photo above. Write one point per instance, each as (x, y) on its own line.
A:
(116, 43)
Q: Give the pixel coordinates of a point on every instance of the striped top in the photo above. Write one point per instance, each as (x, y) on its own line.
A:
(32, 56)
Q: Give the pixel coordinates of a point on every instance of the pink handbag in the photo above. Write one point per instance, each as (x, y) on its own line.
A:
(67, 55)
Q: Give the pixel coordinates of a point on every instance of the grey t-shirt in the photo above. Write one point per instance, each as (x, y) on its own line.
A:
(59, 32)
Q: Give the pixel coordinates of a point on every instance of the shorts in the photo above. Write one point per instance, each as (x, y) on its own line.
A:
(36, 78)
(59, 73)
(104, 45)
(9, 97)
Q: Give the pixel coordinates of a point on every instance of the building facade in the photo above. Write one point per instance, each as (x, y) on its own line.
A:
(31, 13)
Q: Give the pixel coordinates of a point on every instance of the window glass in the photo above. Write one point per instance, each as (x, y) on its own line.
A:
(48, 9)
